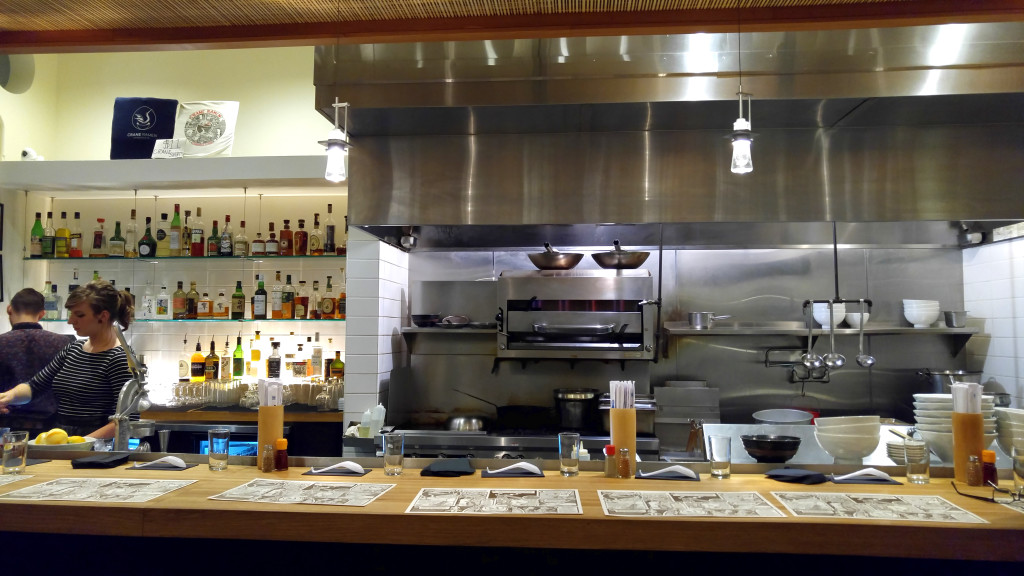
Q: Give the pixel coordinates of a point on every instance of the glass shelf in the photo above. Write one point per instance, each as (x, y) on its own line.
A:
(196, 258)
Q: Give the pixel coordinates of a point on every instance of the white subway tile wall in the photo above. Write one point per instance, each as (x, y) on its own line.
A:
(378, 286)
(994, 299)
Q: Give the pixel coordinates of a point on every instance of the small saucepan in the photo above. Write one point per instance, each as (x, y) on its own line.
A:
(466, 423)
(703, 320)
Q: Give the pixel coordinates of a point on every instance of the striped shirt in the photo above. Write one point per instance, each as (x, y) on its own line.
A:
(86, 384)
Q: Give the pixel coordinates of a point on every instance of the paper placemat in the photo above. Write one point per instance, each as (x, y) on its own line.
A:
(708, 504)
(495, 501)
(302, 492)
(874, 507)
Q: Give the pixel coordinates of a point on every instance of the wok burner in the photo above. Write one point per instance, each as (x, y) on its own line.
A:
(511, 445)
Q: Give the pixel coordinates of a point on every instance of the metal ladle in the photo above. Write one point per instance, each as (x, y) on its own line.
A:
(811, 360)
(864, 360)
(833, 359)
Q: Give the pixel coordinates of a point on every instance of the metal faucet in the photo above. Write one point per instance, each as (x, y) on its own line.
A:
(133, 396)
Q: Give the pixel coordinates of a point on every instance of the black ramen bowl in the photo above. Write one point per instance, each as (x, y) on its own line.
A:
(766, 448)
(426, 320)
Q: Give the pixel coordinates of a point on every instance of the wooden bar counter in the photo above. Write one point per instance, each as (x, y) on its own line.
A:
(188, 513)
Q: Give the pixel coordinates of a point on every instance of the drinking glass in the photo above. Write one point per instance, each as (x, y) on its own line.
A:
(1018, 463)
(220, 438)
(918, 460)
(394, 453)
(569, 453)
(720, 454)
(14, 452)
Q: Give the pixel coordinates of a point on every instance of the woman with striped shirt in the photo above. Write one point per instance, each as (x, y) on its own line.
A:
(87, 375)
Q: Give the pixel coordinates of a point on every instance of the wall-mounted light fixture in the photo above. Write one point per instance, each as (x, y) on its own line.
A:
(742, 160)
(337, 147)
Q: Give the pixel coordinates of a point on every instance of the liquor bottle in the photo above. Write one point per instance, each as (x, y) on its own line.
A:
(300, 241)
(178, 300)
(288, 299)
(221, 306)
(258, 246)
(328, 304)
(225, 360)
(274, 361)
(62, 241)
(275, 297)
(328, 360)
(163, 304)
(36, 238)
(147, 244)
(226, 247)
(198, 364)
(259, 302)
(163, 239)
(205, 307)
(131, 237)
(238, 359)
(337, 366)
(148, 309)
(285, 240)
(174, 233)
(238, 302)
(186, 235)
(314, 301)
(213, 241)
(56, 299)
(316, 237)
(301, 303)
(192, 302)
(47, 304)
(300, 363)
(342, 249)
(76, 247)
(241, 242)
(341, 305)
(197, 240)
(329, 229)
(255, 353)
(316, 359)
(211, 364)
(99, 240)
(273, 246)
(49, 236)
(115, 248)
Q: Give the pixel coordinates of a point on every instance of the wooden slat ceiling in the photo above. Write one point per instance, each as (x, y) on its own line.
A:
(83, 25)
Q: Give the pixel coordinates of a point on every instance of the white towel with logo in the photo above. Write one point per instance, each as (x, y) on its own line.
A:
(208, 127)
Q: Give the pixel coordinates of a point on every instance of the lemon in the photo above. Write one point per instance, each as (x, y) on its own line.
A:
(75, 439)
(41, 439)
(56, 436)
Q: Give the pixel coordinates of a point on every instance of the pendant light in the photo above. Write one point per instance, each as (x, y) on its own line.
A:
(337, 147)
(742, 160)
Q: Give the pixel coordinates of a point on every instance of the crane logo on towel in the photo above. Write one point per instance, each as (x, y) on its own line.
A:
(207, 127)
(138, 123)
(144, 118)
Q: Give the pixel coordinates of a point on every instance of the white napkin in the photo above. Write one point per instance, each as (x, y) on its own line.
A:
(669, 471)
(168, 460)
(517, 466)
(347, 464)
(862, 473)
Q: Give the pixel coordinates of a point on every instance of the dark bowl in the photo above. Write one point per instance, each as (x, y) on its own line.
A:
(426, 320)
(766, 448)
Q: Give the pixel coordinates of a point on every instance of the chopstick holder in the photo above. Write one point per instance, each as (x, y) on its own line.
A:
(519, 469)
(165, 463)
(865, 476)
(674, 472)
(345, 468)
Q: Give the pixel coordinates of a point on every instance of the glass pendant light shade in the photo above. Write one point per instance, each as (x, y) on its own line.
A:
(742, 161)
(337, 157)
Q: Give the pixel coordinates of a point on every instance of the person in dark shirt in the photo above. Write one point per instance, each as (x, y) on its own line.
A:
(87, 375)
(24, 351)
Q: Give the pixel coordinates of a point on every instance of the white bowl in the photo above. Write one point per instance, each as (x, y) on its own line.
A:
(851, 429)
(941, 443)
(854, 318)
(1015, 415)
(821, 317)
(1006, 442)
(944, 414)
(847, 446)
(933, 406)
(80, 446)
(846, 421)
(921, 319)
(907, 301)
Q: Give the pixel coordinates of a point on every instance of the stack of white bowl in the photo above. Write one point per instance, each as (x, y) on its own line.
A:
(921, 313)
(894, 450)
(820, 311)
(848, 437)
(1009, 427)
(934, 416)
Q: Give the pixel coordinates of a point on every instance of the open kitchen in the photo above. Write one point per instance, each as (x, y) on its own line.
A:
(532, 221)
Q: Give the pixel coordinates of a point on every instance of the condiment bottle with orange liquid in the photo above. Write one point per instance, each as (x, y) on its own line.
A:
(968, 427)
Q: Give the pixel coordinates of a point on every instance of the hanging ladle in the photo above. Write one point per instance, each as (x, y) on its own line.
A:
(864, 360)
(811, 360)
(833, 359)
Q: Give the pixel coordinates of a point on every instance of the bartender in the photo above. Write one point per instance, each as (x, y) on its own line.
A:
(87, 376)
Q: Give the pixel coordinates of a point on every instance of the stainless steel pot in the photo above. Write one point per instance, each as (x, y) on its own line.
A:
(466, 423)
(703, 320)
(577, 408)
(941, 380)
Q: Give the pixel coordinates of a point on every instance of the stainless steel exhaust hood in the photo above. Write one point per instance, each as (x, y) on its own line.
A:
(477, 143)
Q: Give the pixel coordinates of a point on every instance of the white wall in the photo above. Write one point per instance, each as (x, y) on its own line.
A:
(29, 118)
(994, 299)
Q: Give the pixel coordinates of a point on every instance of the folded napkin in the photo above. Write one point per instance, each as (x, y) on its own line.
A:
(796, 476)
(448, 467)
(111, 460)
(346, 468)
(865, 476)
(34, 461)
(165, 463)
(675, 472)
(519, 469)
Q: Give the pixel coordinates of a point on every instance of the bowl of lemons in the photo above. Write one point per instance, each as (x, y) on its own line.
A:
(58, 439)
